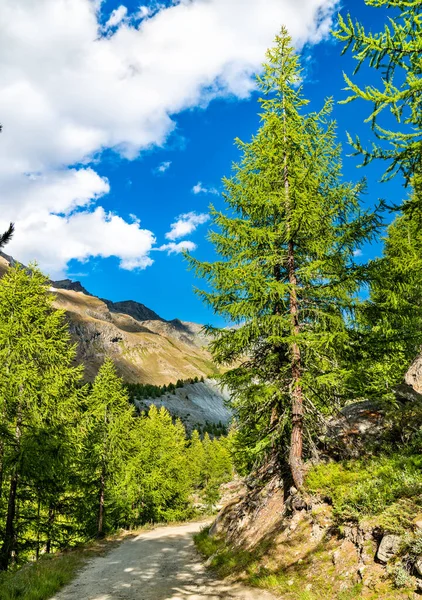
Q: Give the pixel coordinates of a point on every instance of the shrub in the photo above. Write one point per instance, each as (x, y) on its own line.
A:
(389, 487)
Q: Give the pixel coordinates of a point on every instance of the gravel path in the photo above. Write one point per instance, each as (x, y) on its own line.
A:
(156, 565)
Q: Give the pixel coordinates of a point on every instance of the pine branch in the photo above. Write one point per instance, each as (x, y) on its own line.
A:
(7, 236)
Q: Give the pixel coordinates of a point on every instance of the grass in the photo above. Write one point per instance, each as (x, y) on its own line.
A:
(290, 582)
(387, 489)
(41, 580)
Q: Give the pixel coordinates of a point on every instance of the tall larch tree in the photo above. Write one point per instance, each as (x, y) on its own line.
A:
(110, 419)
(287, 277)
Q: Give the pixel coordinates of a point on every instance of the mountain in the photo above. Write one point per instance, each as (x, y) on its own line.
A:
(196, 404)
(144, 347)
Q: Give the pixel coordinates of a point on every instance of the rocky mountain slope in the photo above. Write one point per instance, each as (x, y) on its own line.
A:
(196, 404)
(144, 347)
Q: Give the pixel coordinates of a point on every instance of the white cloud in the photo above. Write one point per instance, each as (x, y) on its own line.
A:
(186, 224)
(143, 12)
(67, 93)
(357, 252)
(116, 17)
(200, 189)
(177, 248)
(82, 235)
(165, 166)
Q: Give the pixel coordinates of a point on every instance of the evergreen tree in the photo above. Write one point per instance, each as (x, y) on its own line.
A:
(216, 468)
(196, 457)
(161, 480)
(108, 443)
(397, 53)
(392, 317)
(287, 275)
(37, 384)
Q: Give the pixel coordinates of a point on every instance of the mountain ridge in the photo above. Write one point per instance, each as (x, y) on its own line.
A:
(144, 347)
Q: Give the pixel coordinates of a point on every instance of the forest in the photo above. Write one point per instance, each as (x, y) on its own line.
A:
(77, 461)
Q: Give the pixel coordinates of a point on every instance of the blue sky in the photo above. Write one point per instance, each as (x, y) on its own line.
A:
(197, 148)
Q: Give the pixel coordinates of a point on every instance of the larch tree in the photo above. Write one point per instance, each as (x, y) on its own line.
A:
(162, 479)
(392, 315)
(37, 383)
(396, 52)
(110, 419)
(287, 278)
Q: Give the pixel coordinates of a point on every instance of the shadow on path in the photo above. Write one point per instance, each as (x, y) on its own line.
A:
(157, 565)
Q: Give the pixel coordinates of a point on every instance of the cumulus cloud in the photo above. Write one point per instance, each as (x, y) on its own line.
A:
(82, 235)
(200, 189)
(177, 248)
(186, 224)
(165, 166)
(69, 90)
(116, 17)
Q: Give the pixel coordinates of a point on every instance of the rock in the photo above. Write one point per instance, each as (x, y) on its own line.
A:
(413, 376)
(357, 425)
(418, 566)
(417, 523)
(389, 546)
(405, 393)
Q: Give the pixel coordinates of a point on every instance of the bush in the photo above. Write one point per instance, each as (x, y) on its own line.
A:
(389, 487)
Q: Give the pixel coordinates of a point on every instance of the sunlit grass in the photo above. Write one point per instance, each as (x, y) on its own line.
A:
(42, 579)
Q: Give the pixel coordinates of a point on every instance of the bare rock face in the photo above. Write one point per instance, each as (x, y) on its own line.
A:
(195, 404)
(358, 425)
(413, 377)
(138, 311)
(68, 284)
(388, 548)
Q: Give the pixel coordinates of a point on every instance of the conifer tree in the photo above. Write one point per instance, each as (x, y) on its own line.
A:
(286, 275)
(110, 422)
(396, 52)
(196, 457)
(161, 480)
(37, 384)
(392, 316)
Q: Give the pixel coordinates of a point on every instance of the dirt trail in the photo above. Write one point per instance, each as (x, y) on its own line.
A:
(156, 565)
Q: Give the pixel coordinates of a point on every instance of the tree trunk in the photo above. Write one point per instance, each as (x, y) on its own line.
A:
(51, 516)
(1, 468)
(9, 542)
(37, 549)
(9, 534)
(101, 505)
(296, 443)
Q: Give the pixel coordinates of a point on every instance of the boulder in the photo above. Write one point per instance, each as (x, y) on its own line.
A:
(413, 377)
(388, 548)
(417, 523)
(356, 426)
(418, 566)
